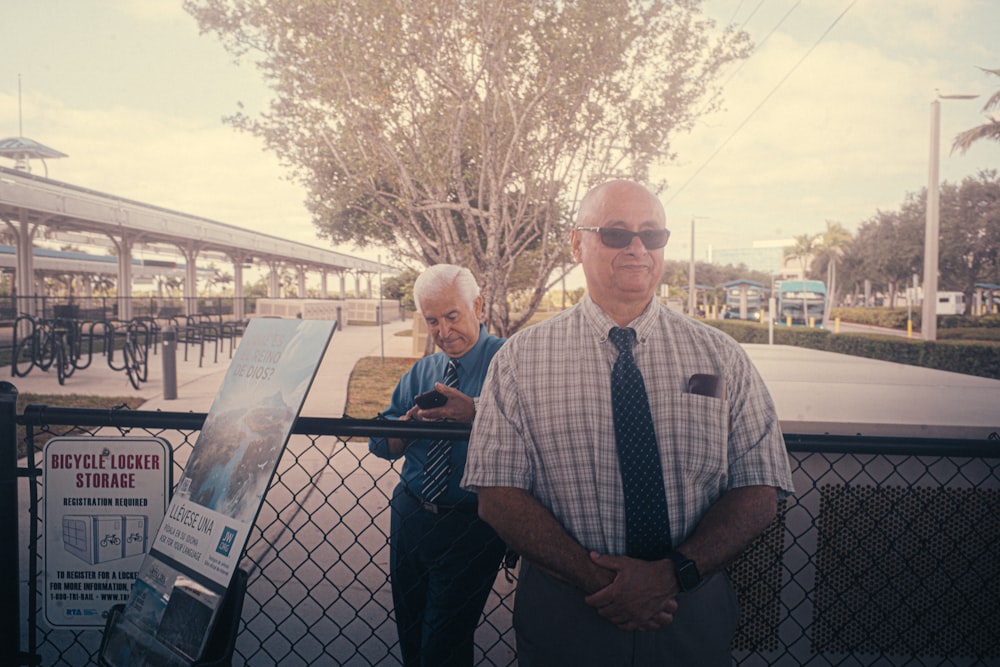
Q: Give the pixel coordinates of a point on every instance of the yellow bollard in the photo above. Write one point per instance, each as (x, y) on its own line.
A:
(812, 322)
(836, 325)
(909, 328)
(788, 320)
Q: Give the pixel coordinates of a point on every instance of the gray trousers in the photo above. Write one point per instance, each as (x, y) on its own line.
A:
(555, 627)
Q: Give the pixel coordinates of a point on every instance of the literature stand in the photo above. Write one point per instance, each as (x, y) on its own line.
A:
(221, 642)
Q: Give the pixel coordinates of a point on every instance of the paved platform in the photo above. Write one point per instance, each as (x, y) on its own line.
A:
(825, 392)
(815, 392)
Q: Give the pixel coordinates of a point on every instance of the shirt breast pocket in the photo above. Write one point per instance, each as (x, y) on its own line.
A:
(696, 435)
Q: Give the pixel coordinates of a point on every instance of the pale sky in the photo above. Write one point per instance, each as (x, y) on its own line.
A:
(817, 128)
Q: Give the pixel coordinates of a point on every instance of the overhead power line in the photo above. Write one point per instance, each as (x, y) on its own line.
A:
(760, 105)
(757, 47)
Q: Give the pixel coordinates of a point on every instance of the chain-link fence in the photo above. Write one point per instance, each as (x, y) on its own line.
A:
(888, 553)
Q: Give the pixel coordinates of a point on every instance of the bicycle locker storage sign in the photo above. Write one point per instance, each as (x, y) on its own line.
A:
(104, 499)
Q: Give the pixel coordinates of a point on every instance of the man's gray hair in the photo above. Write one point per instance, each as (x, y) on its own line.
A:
(441, 278)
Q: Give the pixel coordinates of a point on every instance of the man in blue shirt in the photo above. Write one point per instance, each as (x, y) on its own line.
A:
(443, 557)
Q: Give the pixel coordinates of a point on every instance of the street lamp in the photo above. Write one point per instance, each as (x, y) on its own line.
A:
(691, 283)
(928, 314)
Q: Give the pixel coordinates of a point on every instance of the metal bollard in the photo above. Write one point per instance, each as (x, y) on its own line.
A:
(169, 357)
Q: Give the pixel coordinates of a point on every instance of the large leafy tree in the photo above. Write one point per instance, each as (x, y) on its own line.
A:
(988, 130)
(465, 132)
(970, 233)
(890, 247)
(401, 287)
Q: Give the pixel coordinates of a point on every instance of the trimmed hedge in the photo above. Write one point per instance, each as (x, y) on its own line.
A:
(890, 318)
(895, 318)
(979, 358)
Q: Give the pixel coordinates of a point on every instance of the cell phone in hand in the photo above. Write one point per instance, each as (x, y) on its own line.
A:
(430, 399)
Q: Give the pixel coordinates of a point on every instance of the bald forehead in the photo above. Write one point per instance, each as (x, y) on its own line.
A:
(615, 193)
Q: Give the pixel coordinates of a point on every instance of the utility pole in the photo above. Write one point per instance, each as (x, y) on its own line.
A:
(692, 292)
(928, 313)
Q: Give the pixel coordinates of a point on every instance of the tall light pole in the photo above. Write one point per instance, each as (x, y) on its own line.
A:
(692, 300)
(928, 314)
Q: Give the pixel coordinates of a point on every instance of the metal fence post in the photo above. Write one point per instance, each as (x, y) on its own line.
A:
(10, 582)
(169, 358)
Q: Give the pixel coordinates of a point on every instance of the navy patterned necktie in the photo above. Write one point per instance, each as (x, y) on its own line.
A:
(437, 470)
(647, 525)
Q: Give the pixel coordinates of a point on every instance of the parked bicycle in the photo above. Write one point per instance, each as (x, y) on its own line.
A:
(67, 345)
(131, 340)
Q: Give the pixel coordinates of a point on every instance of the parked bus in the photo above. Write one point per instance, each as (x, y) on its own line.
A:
(794, 295)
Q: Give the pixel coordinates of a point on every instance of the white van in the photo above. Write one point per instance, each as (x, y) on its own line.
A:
(950, 303)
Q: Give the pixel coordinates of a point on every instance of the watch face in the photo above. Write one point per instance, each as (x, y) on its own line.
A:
(687, 575)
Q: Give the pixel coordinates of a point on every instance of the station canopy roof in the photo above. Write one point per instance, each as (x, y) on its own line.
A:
(25, 148)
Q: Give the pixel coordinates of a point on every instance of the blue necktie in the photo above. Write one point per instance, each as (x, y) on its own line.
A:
(647, 524)
(437, 470)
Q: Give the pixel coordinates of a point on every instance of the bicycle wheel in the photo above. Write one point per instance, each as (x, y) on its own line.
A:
(135, 362)
(64, 367)
(46, 355)
(24, 357)
(140, 357)
(66, 358)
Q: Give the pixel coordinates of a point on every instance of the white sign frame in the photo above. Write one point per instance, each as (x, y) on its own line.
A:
(104, 499)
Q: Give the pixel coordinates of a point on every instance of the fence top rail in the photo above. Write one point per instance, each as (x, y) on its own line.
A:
(893, 445)
(43, 415)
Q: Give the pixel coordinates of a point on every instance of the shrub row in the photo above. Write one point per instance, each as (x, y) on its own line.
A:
(968, 357)
(895, 318)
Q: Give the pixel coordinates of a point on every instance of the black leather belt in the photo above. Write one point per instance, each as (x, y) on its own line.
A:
(435, 508)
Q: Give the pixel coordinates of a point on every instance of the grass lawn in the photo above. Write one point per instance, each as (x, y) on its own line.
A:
(370, 386)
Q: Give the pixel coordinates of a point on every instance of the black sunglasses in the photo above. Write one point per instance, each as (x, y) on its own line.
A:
(616, 237)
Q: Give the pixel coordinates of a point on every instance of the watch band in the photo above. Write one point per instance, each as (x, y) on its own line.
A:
(685, 571)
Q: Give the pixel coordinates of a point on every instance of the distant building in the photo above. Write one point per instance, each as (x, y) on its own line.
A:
(766, 256)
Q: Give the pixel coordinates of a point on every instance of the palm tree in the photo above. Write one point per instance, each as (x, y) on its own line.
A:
(102, 285)
(803, 250)
(224, 278)
(988, 130)
(830, 250)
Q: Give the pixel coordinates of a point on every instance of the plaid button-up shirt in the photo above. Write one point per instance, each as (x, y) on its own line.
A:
(544, 421)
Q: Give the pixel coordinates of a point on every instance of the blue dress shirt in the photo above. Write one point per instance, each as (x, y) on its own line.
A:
(472, 367)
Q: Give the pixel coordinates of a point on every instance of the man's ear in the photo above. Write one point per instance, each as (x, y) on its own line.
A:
(575, 239)
(477, 307)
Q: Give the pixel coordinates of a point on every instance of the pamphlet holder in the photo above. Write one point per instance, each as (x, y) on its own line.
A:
(221, 643)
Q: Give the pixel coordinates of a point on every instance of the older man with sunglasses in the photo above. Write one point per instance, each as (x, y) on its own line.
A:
(629, 454)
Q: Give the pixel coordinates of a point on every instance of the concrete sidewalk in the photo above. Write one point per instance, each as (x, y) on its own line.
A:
(197, 385)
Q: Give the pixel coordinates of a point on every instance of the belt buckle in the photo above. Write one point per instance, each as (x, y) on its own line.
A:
(429, 506)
